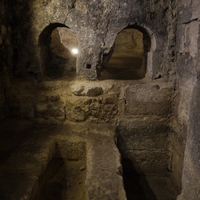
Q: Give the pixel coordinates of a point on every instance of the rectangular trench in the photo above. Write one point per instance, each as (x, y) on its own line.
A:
(64, 177)
(64, 166)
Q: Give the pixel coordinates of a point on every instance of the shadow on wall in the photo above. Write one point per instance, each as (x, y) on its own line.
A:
(127, 59)
(134, 183)
(21, 60)
(58, 46)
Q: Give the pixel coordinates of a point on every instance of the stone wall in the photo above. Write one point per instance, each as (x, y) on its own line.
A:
(187, 71)
(143, 127)
(2, 97)
(2, 34)
(5, 50)
(96, 35)
(140, 109)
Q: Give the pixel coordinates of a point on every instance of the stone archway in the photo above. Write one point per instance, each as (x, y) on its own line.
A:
(127, 59)
(59, 46)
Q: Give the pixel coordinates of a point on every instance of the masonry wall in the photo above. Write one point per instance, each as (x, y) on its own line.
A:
(188, 105)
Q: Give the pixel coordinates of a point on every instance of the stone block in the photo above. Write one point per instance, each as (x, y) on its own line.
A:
(50, 106)
(104, 180)
(148, 99)
(90, 91)
(150, 162)
(143, 134)
(102, 109)
(145, 142)
(71, 150)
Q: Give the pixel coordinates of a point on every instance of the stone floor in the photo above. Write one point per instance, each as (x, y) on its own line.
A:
(67, 162)
(59, 162)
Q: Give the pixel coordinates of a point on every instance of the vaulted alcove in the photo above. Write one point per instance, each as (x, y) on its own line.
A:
(59, 47)
(127, 59)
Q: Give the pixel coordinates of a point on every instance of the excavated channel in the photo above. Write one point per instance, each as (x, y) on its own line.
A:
(64, 177)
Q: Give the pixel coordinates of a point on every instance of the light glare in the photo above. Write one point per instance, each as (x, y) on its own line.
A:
(75, 51)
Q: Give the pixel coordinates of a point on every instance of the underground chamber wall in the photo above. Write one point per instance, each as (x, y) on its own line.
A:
(65, 174)
(143, 177)
(135, 185)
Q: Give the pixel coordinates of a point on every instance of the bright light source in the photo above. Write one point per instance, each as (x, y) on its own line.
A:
(75, 51)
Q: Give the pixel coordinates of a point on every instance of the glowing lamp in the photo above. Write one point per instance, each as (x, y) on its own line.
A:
(75, 51)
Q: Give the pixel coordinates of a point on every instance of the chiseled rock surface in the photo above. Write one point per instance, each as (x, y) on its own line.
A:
(148, 99)
(87, 90)
(187, 62)
(2, 96)
(146, 143)
(99, 110)
(191, 168)
(104, 169)
(93, 146)
(81, 87)
(96, 25)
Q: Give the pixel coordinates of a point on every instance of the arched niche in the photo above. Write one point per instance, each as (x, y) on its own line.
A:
(59, 48)
(127, 59)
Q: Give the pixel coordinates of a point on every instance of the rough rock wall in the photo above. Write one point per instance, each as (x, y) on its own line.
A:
(5, 51)
(188, 43)
(2, 97)
(96, 24)
(143, 127)
(140, 108)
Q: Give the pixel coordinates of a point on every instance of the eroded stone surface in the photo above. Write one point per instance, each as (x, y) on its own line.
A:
(187, 70)
(86, 90)
(143, 100)
(96, 25)
(145, 142)
(26, 173)
(63, 40)
(97, 109)
(25, 30)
